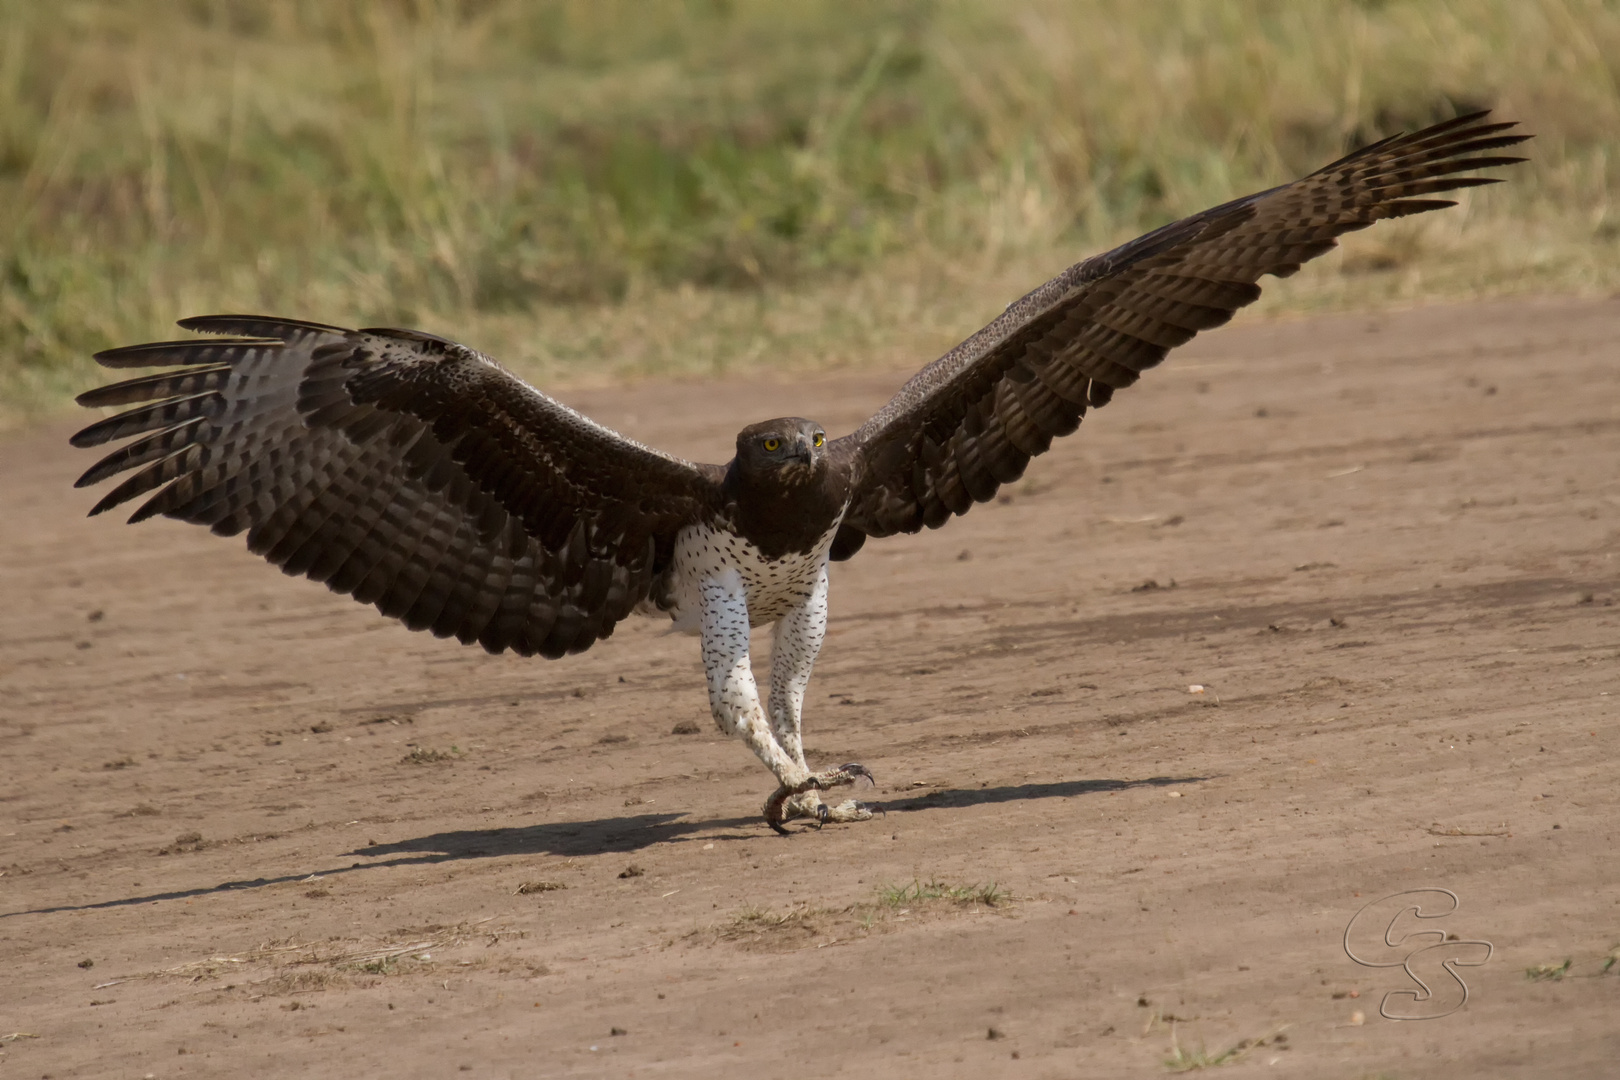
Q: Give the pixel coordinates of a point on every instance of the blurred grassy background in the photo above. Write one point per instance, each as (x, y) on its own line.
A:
(592, 189)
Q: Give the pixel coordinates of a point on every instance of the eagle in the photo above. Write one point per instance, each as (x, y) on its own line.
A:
(416, 474)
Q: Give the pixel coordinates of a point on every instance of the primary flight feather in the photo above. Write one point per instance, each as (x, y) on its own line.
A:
(416, 474)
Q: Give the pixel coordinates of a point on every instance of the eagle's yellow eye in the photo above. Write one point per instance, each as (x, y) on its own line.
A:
(771, 445)
(821, 437)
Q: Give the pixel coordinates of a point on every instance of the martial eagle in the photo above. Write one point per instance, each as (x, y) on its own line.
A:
(416, 474)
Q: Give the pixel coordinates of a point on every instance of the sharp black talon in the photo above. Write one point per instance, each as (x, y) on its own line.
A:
(855, 768)
(823, 815)
(773, 809)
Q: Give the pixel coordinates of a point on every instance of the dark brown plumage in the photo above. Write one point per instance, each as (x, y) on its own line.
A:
(405, 470)
(415, 474)
(970, 421)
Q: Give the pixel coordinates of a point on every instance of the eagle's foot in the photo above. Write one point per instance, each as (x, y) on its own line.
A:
(844, 774)
(809, 805)
(804, 800)
(848, 810)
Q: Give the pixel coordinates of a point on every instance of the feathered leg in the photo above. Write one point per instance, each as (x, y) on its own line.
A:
(794, 648)
(733, 697)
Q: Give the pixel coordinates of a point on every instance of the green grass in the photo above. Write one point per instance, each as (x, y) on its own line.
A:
(1549, 972)
(1559, 972)
(600, 189)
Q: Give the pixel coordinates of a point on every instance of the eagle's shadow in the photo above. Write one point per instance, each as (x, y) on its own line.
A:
(602, 836)
(1064, 789)
(621, 835)
(606, 836)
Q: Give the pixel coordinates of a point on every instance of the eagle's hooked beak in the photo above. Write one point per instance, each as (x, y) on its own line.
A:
(802, 450)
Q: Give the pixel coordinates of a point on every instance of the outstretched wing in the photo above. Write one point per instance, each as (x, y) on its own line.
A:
(971, 420)
(408, 471)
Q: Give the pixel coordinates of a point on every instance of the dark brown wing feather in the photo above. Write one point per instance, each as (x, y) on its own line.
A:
(971, 420)
(403, 469)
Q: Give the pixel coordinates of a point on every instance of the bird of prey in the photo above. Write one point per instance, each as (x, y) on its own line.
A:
(416, 474)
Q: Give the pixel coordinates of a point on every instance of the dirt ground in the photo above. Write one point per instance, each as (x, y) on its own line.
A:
(248, 828)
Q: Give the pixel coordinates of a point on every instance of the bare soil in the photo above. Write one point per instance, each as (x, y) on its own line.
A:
(249, 828)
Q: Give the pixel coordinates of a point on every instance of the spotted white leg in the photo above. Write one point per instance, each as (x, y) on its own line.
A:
(794, 648)
(734, 700)
(733, 697)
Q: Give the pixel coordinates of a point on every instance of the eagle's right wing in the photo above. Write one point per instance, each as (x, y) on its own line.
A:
(408, 471)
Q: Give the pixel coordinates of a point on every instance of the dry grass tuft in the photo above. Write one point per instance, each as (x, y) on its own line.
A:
(422, 755)
(772, 928)
(803, 926)
(920, 892)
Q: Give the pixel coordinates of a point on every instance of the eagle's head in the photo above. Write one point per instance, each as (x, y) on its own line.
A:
(786, 452)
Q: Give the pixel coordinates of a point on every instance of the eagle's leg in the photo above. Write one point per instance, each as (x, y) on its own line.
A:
(794, 648)
(733, 696)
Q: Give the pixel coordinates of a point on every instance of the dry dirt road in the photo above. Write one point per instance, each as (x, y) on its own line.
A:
(293, 838)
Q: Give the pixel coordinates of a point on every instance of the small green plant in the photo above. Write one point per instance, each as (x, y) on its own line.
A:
(1182, 1059)
(1549, 972)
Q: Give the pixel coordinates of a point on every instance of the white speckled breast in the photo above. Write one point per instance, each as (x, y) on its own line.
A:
(775, 586)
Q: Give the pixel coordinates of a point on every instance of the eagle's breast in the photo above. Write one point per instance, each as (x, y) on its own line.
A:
(708, 550)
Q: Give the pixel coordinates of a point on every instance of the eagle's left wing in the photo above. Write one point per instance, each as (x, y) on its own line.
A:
(971, 420)
(406, 470)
